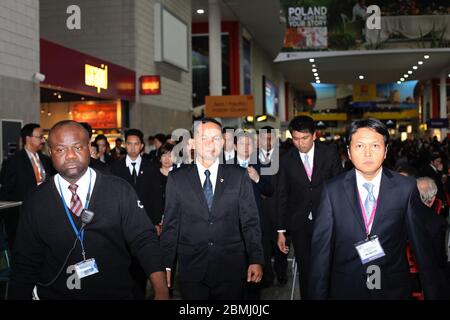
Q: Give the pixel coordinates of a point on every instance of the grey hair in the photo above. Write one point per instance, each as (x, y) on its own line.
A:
(427, 194)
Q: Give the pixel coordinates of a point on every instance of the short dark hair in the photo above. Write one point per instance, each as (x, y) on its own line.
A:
(119, 140)
(370, 123)
(203, 121)
(165, 148)
(88, 128)
(434, 156)
(94, 145)
(161, 137)
(101, 137)
(151, 138)
(134, 132)
(27, 131)
(64, 123)
(302, 124)
(244, 134)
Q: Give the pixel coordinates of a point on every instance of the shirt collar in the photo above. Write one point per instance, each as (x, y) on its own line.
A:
(213, 168)
(360, 180)
(310, 153)
(128, 161)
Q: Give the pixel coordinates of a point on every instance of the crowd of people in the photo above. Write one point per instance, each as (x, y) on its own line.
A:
(217, 211)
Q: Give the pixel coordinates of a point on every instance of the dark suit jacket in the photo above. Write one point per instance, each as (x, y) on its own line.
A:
(336, 269)
(218, 244)
(18, 178)
(296, 195)
(143, 183)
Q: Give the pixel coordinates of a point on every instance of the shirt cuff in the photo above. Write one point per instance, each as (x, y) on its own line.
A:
(281, 231)
(169, 269)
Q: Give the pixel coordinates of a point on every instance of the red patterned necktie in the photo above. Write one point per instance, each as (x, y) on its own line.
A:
(75, 203)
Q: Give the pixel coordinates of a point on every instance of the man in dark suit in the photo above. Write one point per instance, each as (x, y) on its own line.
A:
(94, 151)
(118, 152)
(303, 170)
(138, 173)
(229, 149)
(158, 141)
(365, 217)
(268, 157)
(213, 230)
(247, 158)
(24, 171)
(434, 170)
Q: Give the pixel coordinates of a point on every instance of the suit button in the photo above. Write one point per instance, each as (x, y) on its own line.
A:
(211, 243)
(211, 223)
(310, 189)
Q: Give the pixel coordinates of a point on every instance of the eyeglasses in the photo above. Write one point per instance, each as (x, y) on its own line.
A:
(39, 137)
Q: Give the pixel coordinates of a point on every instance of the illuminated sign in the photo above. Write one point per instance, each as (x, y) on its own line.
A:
(96, 77)
(150, 85)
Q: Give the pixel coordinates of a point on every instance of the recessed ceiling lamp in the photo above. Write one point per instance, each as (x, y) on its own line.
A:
(311, 60)
(415, 67)
(426, 57)
(420, 62)
(361, 77)
(200, 11)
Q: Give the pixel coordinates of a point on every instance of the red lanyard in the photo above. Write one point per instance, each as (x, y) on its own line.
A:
(369, 223)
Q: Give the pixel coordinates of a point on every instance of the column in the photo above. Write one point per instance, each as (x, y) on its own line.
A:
(443, 101)
(215, 48)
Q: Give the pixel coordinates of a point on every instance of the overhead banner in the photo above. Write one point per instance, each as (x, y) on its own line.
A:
(229, 106)
(317, 25)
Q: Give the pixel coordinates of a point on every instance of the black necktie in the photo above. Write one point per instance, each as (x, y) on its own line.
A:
(207, 189)
(134, 174)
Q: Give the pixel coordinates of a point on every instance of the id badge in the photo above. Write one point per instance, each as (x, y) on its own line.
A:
(369, 250)
(86, 268)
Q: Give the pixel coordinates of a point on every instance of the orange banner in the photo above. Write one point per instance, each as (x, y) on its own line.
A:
(229, 106)
(97, 115)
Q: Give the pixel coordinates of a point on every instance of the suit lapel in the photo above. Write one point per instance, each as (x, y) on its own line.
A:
(351, 193)
(299, 165)
(194, 181)
(317, 162)
(386, 190)
(28, 165)
(221, 181)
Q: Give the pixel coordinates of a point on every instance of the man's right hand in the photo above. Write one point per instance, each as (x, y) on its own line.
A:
(282, 243)
(168, 276)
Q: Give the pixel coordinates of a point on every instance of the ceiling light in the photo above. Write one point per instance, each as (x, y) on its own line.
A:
(314, 70)
(317, 78)
(426, 56)
(361, 77)
(406, 75)
(200, 11)
(317, 81)
(415, 67)
(420, 62)
(402, 79)
(311, 60)
(59, 96)
(399, 82)
(409, 72)
(316, 74)
(313, 65)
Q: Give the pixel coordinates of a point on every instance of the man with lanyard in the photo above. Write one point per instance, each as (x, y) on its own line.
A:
(362, 224)
(78, 230)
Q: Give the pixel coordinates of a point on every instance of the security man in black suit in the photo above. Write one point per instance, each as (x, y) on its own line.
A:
(303, 170)
(138, 172)
(23, 172)
(211, 222)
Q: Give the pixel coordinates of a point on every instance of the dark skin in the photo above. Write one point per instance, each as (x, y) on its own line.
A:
(69, 149)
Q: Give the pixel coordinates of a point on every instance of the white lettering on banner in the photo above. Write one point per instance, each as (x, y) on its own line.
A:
(307, 17)
(73, 22)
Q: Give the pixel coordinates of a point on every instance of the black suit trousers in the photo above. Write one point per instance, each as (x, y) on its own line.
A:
(301, 241)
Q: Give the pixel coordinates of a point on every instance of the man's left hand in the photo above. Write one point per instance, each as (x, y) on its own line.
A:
(253, 174)
(254, 273)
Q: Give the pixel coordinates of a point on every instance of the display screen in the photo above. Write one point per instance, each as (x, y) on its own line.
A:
(270, 97)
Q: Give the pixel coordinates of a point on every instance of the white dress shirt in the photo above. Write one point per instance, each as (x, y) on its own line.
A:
(82, 183)
(243, 163)
(229, 155)
(214, 168)
(138, 161)
(363, 191)
(38, 162)
(310, 154)
(264, 157)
